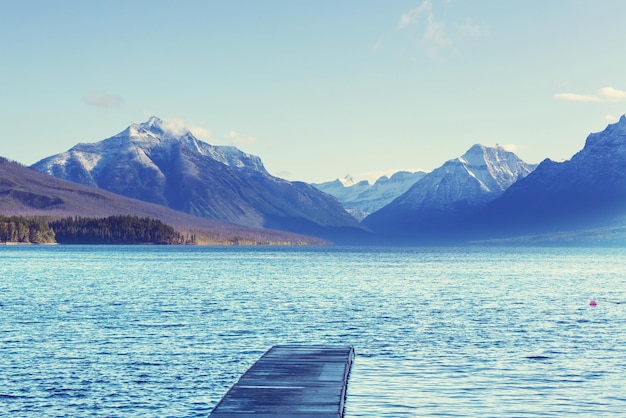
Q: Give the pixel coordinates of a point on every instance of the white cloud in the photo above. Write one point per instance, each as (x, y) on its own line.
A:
(509, 147)
(433, 33)
(175, 126)
(178, 127)
(573, 97)
(412, 17)
(103, 100)
(605, 94)
(611, 118)
(239, 138)
(611, 95)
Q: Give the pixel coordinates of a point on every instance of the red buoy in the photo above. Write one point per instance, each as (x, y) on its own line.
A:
(593, 303)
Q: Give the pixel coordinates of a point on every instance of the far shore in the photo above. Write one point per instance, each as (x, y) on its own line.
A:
(28, 243)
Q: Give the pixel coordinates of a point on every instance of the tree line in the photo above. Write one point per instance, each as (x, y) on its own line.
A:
(122, 229)
(25, 230)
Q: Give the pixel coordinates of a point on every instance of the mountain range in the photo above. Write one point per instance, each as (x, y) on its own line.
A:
(151, 162)
(362, 198)
(486, 195)
(491, 196)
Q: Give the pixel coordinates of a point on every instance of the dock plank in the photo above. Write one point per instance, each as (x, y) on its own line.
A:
(291, 381)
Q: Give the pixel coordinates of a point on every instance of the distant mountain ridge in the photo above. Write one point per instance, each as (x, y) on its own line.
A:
(486, 195)
(360, 198)
(435, 206)
(151, 162)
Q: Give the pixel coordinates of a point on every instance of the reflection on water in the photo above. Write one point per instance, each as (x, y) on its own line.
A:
(165, 331)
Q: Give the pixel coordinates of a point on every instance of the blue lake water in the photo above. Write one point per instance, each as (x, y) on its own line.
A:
(165, 331)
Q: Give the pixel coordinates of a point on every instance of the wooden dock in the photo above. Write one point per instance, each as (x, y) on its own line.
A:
(304, 381)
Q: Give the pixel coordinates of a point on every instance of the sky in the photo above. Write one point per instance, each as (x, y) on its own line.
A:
(317, 89)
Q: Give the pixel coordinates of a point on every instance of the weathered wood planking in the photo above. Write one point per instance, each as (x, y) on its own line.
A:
(304, 381)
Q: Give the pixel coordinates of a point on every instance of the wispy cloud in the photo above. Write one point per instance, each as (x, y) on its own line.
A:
(413, 16)
(104, 100)
(574, 97)
(605, 94)
(239, 138)
(178, 127)
(612, 95)
(509, 147)
(432, 30)
(433, 33)
(175, 126)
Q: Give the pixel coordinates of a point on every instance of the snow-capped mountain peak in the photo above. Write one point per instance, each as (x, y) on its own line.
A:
(474, 156)
(162, 162)
(348, 181)
(159, 133)
(149, 144)
(156, 129)
(494, 167)
(153, 121)
(455, 189)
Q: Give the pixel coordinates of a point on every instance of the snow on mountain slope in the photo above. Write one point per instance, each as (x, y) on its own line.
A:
(360, 198)
(158, 162)
(138, 142)
(451, 192)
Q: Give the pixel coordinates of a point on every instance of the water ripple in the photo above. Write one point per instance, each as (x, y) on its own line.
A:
(136, 331)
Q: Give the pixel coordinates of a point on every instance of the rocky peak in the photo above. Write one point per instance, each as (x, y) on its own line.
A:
(611, 140)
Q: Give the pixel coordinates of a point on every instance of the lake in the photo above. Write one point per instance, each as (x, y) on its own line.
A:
(134, 331)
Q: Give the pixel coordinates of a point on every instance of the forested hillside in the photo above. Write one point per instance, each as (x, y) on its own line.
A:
(116, 230)
(77, 230)
(28, 193)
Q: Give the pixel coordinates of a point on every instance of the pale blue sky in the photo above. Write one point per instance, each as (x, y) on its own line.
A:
(317, 89)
